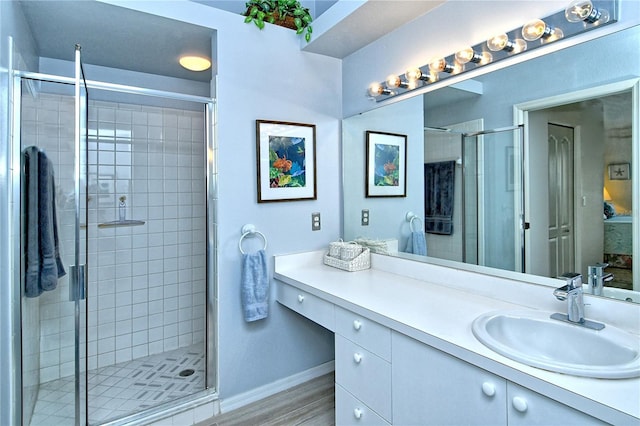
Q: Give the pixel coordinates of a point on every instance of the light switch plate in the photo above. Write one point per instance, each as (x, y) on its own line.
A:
(315, 221)
(364, 217)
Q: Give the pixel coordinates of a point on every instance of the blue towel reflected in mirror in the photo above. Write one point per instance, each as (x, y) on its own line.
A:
(439, 183)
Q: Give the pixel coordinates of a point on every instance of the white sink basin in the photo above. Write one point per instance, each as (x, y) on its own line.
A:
(532, 338)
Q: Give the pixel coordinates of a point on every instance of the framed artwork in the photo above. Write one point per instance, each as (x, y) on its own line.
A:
(619, 171)
(286, 157)
(386, 167)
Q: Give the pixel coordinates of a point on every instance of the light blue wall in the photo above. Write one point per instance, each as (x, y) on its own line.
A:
(12, 25)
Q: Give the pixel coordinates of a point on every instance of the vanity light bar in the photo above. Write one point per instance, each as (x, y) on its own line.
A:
(562, 24)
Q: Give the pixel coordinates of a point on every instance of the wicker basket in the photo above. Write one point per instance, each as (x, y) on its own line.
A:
(345, 250)
(359, 263)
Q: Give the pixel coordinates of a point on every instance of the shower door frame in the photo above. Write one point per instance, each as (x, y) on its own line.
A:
(210, 392)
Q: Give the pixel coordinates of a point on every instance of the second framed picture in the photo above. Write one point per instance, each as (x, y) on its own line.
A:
(386, 167)
(286, 154)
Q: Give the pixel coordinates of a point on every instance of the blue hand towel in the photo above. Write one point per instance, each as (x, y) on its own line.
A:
(48, 263)
(32, 238)
(417, 244)
(255, 286)
(43, 263)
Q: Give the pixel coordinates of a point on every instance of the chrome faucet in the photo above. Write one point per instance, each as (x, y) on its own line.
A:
(573, 294)
(597, 278)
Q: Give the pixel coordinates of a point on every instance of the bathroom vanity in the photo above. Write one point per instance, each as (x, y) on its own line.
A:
(405, 352)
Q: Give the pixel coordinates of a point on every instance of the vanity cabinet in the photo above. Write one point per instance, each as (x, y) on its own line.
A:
(363, 370)
(431, 387)
(434, 388)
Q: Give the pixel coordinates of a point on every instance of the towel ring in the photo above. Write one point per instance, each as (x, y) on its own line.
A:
(410, 217)
(248, 230)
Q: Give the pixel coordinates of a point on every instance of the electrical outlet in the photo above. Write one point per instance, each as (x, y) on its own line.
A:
(315, 221)
(364, 217)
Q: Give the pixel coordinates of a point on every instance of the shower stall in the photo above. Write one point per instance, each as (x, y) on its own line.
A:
(127, 327)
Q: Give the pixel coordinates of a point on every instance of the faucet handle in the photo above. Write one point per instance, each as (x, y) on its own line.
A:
(573, 280)
(597, 269)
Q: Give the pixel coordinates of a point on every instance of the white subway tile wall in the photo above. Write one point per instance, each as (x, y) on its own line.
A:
(146, 288)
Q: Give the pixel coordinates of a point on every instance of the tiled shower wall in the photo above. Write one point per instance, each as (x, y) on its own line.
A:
(146, 289)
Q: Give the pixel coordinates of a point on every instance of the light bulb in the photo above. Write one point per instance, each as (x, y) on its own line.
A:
(536, 29)
(583, 10)
(376, 89)
(415, 74)
(500, 42)
(393, 82)
(440, 65)
(519, 45)
(467, 55)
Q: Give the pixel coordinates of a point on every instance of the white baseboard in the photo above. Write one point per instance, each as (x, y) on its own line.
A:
(238, 401)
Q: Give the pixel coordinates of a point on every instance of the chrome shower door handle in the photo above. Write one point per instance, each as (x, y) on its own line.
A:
(77, 281)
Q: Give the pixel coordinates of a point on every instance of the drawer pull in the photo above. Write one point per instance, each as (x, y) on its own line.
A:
(357, 358)
(520, 404)
(357, 413)
(357, 325)
(488, 389)
(300, 298)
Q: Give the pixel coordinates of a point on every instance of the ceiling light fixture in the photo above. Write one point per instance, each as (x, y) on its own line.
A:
(195, 63)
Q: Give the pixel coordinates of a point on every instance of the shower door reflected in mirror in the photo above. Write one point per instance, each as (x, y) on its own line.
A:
(494, 198)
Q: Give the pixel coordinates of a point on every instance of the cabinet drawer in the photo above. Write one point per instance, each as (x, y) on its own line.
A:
(307, 305)
(365, 375)
(366, 333)
(351, 411)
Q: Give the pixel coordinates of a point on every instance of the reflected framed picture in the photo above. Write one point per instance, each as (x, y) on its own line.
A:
(286, 157)
(386, 165)
(619, 171)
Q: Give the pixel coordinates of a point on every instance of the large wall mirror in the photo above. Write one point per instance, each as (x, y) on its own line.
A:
(530, 168)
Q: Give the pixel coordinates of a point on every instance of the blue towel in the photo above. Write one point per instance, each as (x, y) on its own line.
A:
(417, 244)
(439, 183)
(255, 286)
(43, 263)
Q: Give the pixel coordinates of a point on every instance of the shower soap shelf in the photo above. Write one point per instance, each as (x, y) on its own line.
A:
(121, 223)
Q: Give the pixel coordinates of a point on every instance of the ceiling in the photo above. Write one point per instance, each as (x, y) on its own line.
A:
(122, 38)
(116, 37)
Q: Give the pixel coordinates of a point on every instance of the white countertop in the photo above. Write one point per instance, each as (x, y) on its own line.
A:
(440, 315)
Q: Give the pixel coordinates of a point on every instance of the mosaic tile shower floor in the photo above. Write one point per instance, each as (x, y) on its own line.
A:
(124, 388)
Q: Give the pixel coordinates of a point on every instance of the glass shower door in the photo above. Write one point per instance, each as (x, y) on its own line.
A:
(78, 288)
(53, 122)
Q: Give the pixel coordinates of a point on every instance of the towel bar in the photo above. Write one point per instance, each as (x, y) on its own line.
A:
(248, 230)
(410, 217)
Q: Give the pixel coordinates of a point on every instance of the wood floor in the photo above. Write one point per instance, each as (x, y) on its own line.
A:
(308, 404)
